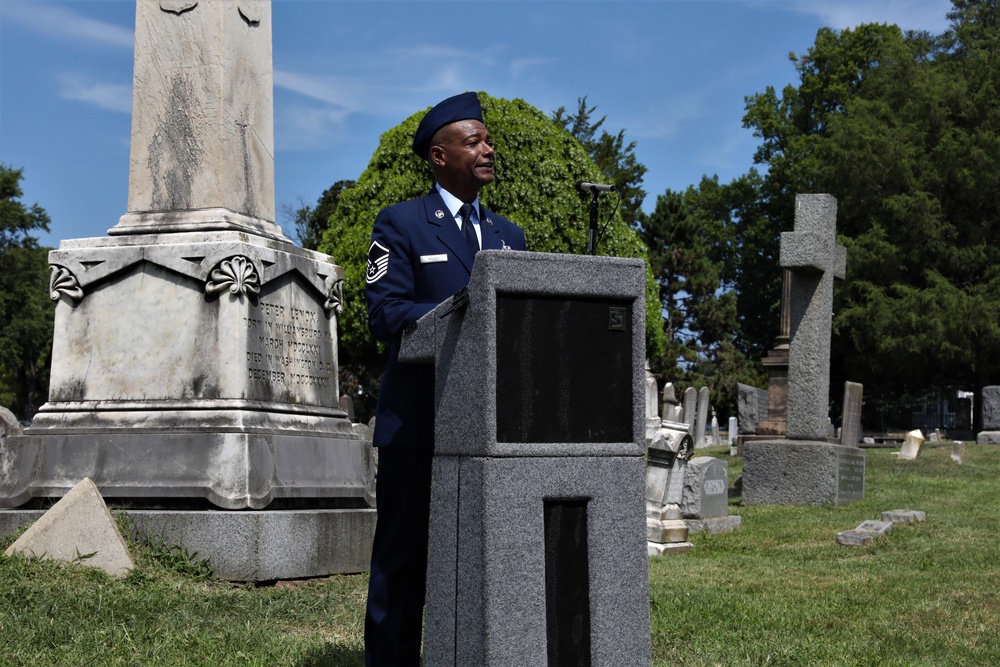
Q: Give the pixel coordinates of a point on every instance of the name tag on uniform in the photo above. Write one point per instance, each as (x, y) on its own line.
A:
(433, 259)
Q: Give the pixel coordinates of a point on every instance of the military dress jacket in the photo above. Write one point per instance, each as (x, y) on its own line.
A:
(417, 259)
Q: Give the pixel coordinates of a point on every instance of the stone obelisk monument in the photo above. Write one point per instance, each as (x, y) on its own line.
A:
(194, 363)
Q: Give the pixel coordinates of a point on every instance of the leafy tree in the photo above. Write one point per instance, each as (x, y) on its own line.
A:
(537, 162)
(310, 222)
(700, 315)
(904, 130)
(26, 311)
(615, 158)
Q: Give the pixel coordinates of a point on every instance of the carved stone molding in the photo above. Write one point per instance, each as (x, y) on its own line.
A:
(62, 282)
(236, 274)
(335, 295)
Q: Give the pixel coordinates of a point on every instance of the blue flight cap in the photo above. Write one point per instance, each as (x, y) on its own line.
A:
(460, 107)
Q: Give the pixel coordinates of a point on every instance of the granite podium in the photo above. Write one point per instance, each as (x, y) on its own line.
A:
(194, 362)
(537, 532)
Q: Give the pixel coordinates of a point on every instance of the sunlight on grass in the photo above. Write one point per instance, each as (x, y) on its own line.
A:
(779, 592)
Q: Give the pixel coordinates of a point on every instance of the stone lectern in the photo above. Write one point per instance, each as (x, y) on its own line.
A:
(194, 362)
(537, 537)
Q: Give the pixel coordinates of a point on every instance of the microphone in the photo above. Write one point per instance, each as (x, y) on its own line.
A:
(583, 186)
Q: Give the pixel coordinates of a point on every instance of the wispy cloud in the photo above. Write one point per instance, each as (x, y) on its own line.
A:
(109, 96)
(527, 68)
(930, 15)
(59, 23)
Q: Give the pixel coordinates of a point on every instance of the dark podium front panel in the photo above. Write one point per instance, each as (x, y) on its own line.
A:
(564, 369)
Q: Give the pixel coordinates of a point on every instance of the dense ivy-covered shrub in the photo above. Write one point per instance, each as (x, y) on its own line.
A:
(537, 166)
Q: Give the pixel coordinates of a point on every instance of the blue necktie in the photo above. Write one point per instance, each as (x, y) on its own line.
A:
(468, 229)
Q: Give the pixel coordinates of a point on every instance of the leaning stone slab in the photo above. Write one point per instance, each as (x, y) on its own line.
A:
(911, 445)
(903, 516)
(78, 529)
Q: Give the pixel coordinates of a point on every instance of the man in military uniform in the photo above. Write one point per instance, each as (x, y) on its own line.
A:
(421, 253)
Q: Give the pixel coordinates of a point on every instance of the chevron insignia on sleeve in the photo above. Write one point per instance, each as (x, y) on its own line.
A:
(378, 262)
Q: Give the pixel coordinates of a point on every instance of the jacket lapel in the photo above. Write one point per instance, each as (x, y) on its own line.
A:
(448, 232)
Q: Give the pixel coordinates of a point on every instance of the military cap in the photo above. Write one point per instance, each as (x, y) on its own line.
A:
(460, 107)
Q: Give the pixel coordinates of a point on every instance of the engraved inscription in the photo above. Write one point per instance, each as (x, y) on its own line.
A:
(290, 349)
(850, 477)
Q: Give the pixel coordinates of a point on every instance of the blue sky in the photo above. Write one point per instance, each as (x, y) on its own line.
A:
(672, 73)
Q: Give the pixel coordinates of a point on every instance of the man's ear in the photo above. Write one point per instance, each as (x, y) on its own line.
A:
(436, 156)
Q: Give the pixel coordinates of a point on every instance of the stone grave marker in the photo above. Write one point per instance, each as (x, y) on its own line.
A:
(990, 435)
(751, 407)
(666, 464)
(672, 410)
(850, 433)
(194, 359)
(805, 468)
(690, 408)
(701, 419)
(911, 445)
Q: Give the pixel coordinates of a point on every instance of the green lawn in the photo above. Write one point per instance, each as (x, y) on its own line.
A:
(780, 591)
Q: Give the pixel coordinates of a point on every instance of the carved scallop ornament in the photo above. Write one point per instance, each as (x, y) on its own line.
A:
(236, 274)
(63, 283)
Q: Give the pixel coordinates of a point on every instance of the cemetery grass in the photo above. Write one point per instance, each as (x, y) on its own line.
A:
(779, 591)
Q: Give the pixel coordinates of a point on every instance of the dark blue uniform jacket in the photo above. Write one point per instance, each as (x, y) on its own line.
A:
(418, 258)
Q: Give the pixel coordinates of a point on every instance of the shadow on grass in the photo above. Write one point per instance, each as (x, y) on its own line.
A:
(333, 655)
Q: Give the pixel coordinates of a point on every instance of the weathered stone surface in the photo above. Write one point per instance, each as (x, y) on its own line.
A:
(751, 407)
(715, 525)
(169, 349)
(991, 408)
(701, 419)
(78, 529)
(856, 538)
(668, 548)
(202, 120)
(850, 434)
(783, 472)
(706, 488)
(9, 425)
(958, 451)
(876, 527)
(815, 259)
(911, 445)
(903, 516)
(262, 545)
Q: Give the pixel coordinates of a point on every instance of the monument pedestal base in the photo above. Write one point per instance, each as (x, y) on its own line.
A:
(254, 546)
(802, 472)
(233, 458)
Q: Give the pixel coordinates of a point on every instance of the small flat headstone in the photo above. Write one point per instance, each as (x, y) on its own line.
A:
(875, 527)
(903, 516)
(958, 451)
(78, 529)
(855, 538)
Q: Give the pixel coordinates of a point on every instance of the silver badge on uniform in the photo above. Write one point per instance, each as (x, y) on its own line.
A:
(439, 214)
(378, 262)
